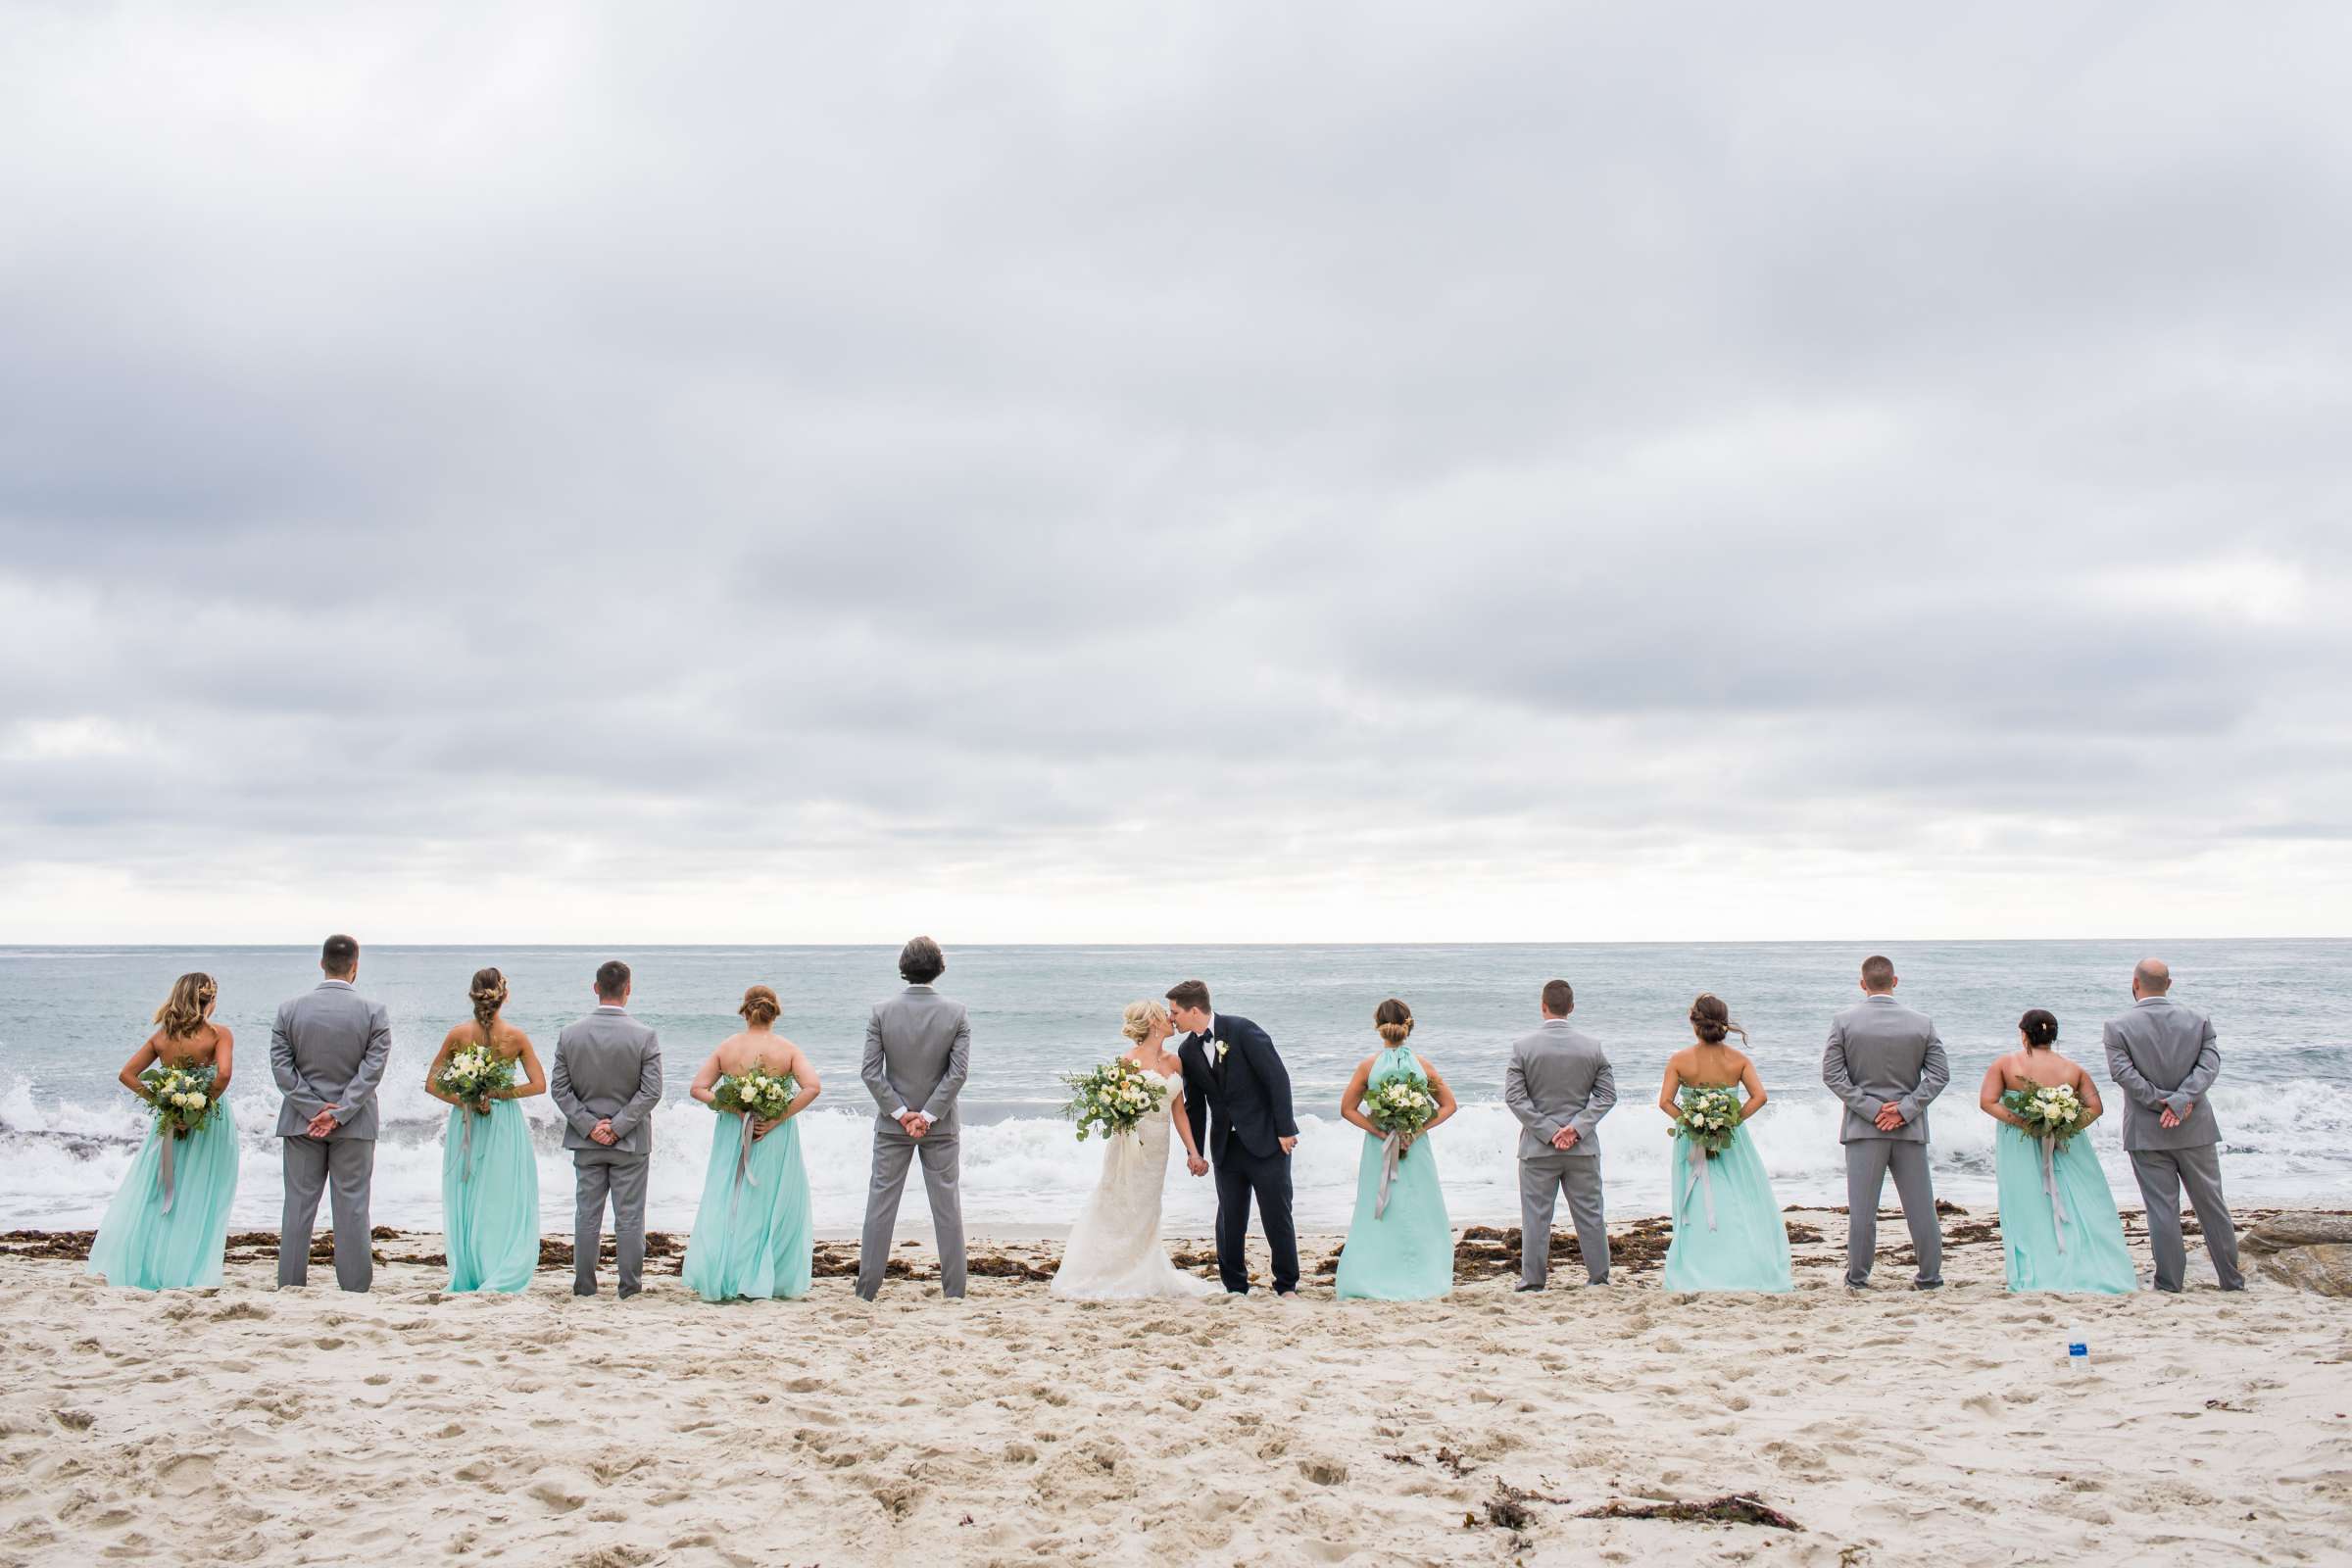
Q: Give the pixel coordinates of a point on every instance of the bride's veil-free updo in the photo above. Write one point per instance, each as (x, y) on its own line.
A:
(1395, 1021)
(1141, 1018)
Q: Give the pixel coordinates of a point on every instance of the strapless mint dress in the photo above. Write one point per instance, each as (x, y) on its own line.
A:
(1727, 1231)
(753, 1232)
(2084, 1252)
(145, 1245)
(490, 1199)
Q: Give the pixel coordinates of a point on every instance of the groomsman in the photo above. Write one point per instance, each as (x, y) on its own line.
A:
(1559, 1086)
(1886, 1062)
(2164, 1058)
(327, 1051)
(606, 1081)
(918, 1052)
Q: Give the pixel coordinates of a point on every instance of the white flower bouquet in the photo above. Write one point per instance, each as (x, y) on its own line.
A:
(756, 1093)
(182, 1097)
(471, 1075)
(2051, 1112)
(1113, 1099)
(1400, 1108)
(1709, 1117)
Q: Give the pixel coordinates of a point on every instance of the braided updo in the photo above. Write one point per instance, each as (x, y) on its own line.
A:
(489, 994)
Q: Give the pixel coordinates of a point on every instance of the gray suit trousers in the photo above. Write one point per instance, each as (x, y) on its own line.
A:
(1867, 1162)
(598, 1173)
(1542, 1181)
(346, 1167)
(2162, 1173)
(893, 1154)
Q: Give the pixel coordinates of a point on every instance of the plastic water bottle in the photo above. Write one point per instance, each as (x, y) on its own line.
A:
(2078, 1352)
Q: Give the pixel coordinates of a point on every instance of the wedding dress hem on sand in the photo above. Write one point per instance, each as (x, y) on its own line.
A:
(1114, 1250)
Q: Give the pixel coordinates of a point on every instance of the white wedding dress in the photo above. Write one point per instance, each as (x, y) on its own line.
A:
(1114, 1252)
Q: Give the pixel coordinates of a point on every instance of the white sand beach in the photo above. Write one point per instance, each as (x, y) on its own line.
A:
(252, 1425)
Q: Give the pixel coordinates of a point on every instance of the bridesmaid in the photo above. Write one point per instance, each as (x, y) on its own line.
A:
(752, 1233)
(1405, 1253)
(156, 1240)
(1727, 1231)
(2039, 1188)
(489, 1175)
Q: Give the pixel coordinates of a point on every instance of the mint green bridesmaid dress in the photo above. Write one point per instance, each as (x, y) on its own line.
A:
(2082, 1252)
(490, 1199)
(146, 1246)
(1405, 1253)
(1727, 1231)
(753, 1236)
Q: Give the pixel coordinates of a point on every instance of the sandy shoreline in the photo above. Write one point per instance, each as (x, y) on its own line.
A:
(252, 1425)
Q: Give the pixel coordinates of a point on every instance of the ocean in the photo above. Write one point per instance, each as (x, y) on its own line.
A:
(70, 1016)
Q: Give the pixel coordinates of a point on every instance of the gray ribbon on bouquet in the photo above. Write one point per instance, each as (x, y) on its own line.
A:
(163, 1172)
(2050, 1185)
(465, 1148)
(1392, 1149)
(1700, 1180)
(743, 1166)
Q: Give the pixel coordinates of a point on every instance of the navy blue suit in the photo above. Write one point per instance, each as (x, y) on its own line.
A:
(1239, 1102)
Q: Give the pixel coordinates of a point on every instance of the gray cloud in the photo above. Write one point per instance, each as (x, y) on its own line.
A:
(1328, 472)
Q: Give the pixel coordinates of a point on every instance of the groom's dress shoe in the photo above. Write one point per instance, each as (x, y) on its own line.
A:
(1524, 1286)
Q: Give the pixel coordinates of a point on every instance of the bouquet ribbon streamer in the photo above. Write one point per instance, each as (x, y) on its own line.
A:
(2050, 1185)
(1392, 1149)
(743, 1166)
(1700, 1180)
(163, 1171)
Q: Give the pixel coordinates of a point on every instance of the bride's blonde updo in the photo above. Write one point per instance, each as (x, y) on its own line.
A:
(760, 1006)
(1395, 1021)
(1141, 1018)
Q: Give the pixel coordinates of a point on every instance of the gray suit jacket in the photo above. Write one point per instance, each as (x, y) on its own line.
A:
(1880, 1050)
(608, 1065)
(2162, 1054)
(327, 1051)
(919, 1050)
(1558, 1077)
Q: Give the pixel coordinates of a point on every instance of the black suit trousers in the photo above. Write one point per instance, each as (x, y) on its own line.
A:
(1241, 1175)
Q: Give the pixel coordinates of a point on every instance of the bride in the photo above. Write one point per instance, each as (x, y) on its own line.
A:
(1114, 1250)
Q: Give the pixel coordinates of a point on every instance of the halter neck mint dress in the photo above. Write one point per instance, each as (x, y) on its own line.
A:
(2072, 1241)
(1405, 1253)
(145, 1246)
(1727, 1231)
(490, 1199)
(752, 1234)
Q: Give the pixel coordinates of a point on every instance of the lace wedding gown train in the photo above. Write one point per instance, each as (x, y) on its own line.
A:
(1115, 1252)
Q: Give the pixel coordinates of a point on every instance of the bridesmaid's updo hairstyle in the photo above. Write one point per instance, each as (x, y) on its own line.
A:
(1711, 1020)
(182, 1012)
(760, 1006)
(488, 993)
(1393, 1019)
(2040, 1026)
(1141, 1018)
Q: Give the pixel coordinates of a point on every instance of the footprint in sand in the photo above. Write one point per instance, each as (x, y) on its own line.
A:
(553, 1496)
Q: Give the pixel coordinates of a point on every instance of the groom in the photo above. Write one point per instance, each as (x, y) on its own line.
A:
(606, 1081)
(1231, 1068)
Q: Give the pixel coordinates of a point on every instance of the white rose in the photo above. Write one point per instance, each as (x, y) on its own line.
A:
(195, 1102)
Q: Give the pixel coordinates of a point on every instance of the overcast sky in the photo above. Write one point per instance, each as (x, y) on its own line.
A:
(1234, 472)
